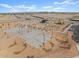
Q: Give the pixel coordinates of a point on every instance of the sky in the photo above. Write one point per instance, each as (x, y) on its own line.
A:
(39, 6)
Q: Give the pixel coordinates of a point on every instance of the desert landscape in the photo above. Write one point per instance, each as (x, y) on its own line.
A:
(39, 35)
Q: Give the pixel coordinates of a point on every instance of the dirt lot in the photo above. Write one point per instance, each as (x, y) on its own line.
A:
(39, 35)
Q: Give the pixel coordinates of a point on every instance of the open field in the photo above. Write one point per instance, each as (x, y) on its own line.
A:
(37, 35)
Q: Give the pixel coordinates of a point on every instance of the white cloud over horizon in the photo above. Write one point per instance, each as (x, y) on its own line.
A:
(66, 2)
(56, 6)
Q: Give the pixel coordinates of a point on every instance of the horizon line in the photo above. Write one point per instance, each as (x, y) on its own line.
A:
(41, 12)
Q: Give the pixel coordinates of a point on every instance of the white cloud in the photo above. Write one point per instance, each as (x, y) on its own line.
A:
(55, 9)
(18, 8)
(5, 5)
(56, 6)
(31, 8)
(8, 7)
(65, 5)
(24, 6)
(66, 2)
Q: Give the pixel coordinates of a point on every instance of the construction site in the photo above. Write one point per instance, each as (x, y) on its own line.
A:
(39, 35)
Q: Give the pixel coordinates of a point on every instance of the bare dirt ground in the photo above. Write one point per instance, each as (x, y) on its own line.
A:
(39, 35)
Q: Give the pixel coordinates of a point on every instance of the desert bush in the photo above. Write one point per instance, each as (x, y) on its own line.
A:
(59, 21)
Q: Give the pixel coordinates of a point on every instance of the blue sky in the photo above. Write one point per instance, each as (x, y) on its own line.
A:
(39, 6)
